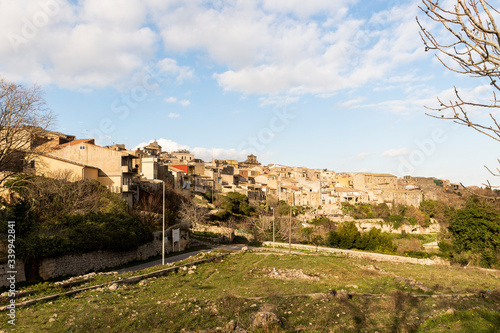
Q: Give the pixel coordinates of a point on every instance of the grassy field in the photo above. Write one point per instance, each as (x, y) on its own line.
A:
(296, 288)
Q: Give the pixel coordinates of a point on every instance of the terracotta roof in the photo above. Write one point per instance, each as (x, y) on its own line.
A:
(175, 169)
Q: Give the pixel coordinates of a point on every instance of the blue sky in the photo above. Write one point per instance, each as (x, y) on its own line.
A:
(330, 84)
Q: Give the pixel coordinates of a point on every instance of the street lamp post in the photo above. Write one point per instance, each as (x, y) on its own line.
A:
(163, 226)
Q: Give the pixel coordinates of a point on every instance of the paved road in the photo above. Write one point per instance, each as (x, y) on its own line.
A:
(230, 247)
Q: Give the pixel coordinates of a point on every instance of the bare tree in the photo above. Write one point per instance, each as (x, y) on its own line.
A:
(192, 213)
(56, 195)
(23, 118)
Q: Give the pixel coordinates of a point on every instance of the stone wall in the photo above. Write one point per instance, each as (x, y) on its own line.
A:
(227, 234)
(245, 234)
(93, 261)
(366, 225)
(79, 264)
(360, 254)
(20, 275)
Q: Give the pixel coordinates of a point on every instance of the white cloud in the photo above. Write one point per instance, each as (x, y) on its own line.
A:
(269, 47)
(353, 102)
(170, 67)
(334, 9)
(396, 152)
(362, 156)
(199, 152)
(173, 115)
(324, 60)
(420, 97)
(267, 52)
(173, 100)
(279, 101)
(88, 44)
(219, 153)
(166, 145)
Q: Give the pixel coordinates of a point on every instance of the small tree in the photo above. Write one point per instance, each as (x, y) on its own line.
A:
(23, 117)
(475, 231)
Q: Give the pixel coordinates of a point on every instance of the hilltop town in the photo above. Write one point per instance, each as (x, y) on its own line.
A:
(132, 172)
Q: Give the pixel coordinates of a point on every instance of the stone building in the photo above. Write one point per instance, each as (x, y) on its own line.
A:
(251, 160)
(373, 181)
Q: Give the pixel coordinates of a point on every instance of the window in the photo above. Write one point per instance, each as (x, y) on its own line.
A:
(82, 147)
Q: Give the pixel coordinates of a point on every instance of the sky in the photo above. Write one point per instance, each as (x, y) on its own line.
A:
(337, 84)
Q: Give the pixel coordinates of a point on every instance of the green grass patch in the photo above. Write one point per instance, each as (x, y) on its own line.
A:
(238, 286)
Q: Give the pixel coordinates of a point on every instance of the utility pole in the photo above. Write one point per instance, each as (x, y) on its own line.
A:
(273, 226)
(213, 177)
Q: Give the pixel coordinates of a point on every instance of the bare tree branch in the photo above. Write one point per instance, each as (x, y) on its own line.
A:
(480, 195)
(475, 51)
(23, 117)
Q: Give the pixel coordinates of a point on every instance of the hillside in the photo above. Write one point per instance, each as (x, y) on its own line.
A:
(299, 292)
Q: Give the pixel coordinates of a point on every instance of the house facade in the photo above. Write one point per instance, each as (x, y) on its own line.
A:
(115, 168)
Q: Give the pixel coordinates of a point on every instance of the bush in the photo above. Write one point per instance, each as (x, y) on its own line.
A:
(324, 222)
(58, 217)
(208, 195)
(233, 204)
(84, 233)
(475, 233)
(221, 215)
(366, 211)
(397, 221)
(419, 254)
(349, 237)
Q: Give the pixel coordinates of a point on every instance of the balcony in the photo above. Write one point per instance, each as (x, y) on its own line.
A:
(127, 169)
(129, 188)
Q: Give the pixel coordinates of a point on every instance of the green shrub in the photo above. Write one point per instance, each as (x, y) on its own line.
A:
(84, 233)
(419, 254)
(208, 195)
(475, 233)
(221, 215)
(325, 222)
(58, 217)
(349, 237)
(397, 221)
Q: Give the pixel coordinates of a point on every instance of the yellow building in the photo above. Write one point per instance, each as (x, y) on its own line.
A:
(50, 165)
(114, 168)
(343, 180)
